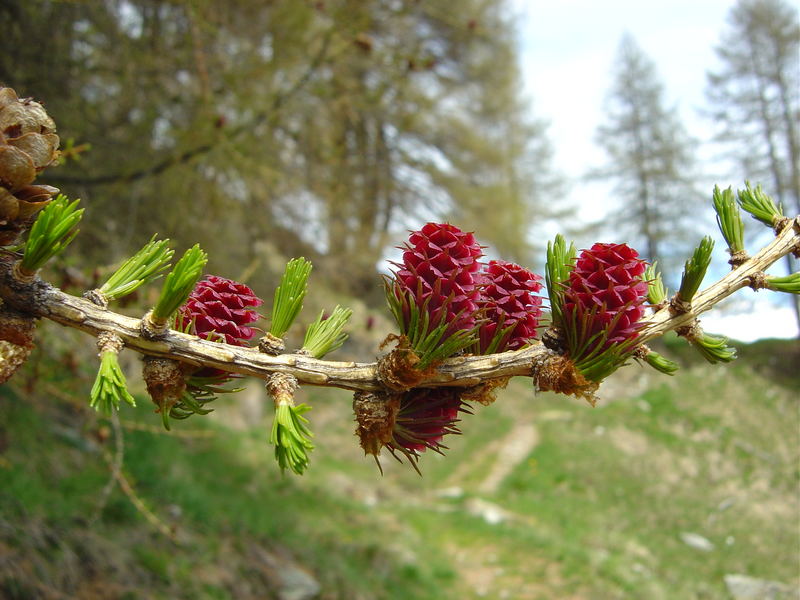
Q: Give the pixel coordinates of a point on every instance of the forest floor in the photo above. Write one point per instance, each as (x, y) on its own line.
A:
(672, 487)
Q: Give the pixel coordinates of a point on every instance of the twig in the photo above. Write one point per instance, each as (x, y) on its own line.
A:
(149, 515)
(200, 149)
(43, 300)
(116, 467)
(663, 321)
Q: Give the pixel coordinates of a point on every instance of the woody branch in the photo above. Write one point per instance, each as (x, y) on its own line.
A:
(40, 299)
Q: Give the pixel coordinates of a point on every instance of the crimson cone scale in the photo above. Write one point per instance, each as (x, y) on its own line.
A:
(220, 307)
(606, 291)
(508, 300)
(424, 418)
(439, 275)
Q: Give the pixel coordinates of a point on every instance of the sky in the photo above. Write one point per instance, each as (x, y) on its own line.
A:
(567, 50)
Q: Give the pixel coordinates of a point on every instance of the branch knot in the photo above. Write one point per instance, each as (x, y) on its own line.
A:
(22, 275)
(97, 298)
(679, 306)
(779, 223)
(758, 280)
(691, 332)
(152, 329)
(269, 344)
(108, 341)
(738, 258)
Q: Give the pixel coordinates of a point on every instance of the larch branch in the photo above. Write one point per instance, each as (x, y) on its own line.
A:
(40, 299)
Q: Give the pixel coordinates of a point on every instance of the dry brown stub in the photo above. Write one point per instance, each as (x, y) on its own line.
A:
(165, 380)
(16, 340)
(376, 414)
(557, 373)
(398, 370)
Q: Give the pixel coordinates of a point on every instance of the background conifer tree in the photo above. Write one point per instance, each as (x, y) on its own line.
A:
(650, 159)
(755, 98)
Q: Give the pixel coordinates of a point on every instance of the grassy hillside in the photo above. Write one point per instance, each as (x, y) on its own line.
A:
(542, 497)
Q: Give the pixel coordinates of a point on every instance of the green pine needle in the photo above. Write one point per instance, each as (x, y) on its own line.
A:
(109, 386)
(729, 219)
(180, 283)
(759, 204)
(501, 335)
(714, 348)
(560, 260)
(325, 335)
(591, 354)
(433, 351)
(395, 304)
(290, 436)
(660, 363)
(146, 265)
(600, 363)
(656, 291)
(52, 231)
(431, 345)
(191, 403)
(201, 391)
(289, 296)
(789, 284)
(695, 269)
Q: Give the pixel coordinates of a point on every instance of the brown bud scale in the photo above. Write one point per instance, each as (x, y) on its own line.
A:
(28, 145)
(282, 386)
(269, 344)
(737, 259)
(12, 357)
(555, 373)
(165, 381)
(486, 392)
(376, 413)
(397, 370)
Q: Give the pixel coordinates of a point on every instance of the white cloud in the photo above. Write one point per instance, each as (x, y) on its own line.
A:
(765, 321)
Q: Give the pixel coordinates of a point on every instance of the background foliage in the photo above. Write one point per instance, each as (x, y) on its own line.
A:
(316, 128)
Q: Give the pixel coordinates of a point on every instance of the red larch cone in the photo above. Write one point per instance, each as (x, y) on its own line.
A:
(507, 300)
(438, 274)
(221, 308)
(606, 292)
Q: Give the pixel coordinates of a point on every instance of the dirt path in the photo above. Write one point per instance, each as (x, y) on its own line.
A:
(510, 451)
(505, 454)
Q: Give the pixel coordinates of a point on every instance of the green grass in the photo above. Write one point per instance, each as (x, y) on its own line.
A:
(592, 507)
(231, 500)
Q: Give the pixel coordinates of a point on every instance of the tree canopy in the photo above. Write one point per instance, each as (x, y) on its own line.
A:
(322, 128)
